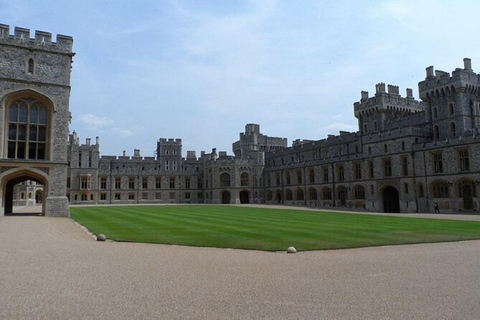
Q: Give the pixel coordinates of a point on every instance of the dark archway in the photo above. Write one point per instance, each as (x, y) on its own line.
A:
(278, 196)
(9, 192)
(226, 197)
(244, 196)
(391, 201)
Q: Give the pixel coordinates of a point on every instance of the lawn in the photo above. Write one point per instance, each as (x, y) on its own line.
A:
(265, 229)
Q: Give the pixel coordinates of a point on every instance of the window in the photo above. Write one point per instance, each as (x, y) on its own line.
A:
(451, 109)
(31, 65)
(103, 196)
(375, 126)
(131, 183)
(144, 196)
(84, 197)
(85, 182)
(277, 179)
(312, 194)
(174, 165)
(403, 145)
(90, 159)
(340, 173)
(300, 194)
(299, 176)
(387, 167)
(440, 189)
(158, 183)
(452, 129)
(171, 195)
(312, 176)
(117, 196)
(244, 179)
(103, 183)
(464, 160)
(172, 182)
(436, 132)
(405, 188)
(144, 183)
(435, 113)
(365, 129)
(287, 174)
(405, 166)
(131, 196)
(385, 148)
(371, 169)
(359, 193)
(27, 129)
(470, 185)
(358, 171)
(187, 195)
(288, 194)
(421, 194)
(369, 151)
(118, 183)
(437, 163)
(325, 174)
(158, 196)
(327, 194)
(187, 182)
(167, 165)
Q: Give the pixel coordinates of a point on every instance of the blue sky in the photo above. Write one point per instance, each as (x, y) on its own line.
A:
(201, 70)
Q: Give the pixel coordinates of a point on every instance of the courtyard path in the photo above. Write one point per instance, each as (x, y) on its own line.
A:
(50, 268)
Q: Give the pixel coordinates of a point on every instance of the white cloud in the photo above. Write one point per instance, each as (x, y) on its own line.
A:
(93, 120)
(122, 132)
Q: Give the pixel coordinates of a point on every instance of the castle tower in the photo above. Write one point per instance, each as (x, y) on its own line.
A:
(382, 111)
(169, 154)
(452, 101)
(34, 97)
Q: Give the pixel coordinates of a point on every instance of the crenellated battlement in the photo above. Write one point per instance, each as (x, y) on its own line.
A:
(440, 83)
(41, 41)
(383, 100)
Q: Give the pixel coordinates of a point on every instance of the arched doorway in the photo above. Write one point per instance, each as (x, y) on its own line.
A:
(278, 196)
(9, 182)
(226, 197)
(244, 196)
(391, 201)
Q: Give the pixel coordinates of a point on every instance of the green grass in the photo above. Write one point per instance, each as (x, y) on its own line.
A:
(265, 229)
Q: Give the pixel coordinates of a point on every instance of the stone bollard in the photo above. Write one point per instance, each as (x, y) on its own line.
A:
(291, 250)
(101, 237)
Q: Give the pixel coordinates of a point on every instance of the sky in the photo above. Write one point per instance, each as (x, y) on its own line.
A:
(201, 70)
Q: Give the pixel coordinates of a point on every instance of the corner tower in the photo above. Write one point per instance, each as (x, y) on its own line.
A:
(34, 115)
(452, 101)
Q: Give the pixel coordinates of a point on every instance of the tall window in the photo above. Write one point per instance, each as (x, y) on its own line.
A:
(85, 182)
(31, 65)
(440, 189)
(437, 163)
(340, 173)
(405, 166)
(299, 176)
(387, 166)
(131, 183)
(436, 132)
(358, 171)
(225, 180)
(287, 174)
(312, 176)
(103, 183)
(187, 182)
(244, 179)
(359, 193)
(464, 160)
(144, 183)
(158, 183)
(27, 129)
(371, 169)
(453, 130)
(118, 183)
(325, 174)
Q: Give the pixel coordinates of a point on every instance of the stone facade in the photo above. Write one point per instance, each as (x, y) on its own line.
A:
(34, 98)
(169, 177)
(407, 156)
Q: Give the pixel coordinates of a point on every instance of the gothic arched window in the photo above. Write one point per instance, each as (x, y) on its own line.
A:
(27, 129)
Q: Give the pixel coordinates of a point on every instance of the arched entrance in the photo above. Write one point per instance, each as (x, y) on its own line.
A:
(9, 182)
(391, 201)
(226, 197)
(244, 196)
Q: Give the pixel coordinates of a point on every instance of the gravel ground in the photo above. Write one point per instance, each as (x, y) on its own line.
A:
(52, 269)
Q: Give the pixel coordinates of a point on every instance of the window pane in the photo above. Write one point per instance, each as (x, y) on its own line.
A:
(11, 150)
(32, 151)
(33, 114)
(13, 112)
(33, 133)
(21, 150)
(41, 151)
(22, 115)
(42, 115)
(12, 132)
(22, 132)
(41, 133)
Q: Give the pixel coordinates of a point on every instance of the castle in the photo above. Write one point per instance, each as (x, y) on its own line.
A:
(407, 156)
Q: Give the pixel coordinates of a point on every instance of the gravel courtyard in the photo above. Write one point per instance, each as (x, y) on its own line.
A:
(52, 269)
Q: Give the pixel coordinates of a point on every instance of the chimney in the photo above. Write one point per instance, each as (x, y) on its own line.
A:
(467, 64)
(124, 153)
(429, 72)
(88, 141)
(97, 140)
(364, 95)
(136, 153)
